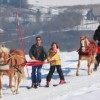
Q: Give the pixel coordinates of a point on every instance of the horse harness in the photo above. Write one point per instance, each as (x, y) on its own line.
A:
(87, 50)
(11, 61)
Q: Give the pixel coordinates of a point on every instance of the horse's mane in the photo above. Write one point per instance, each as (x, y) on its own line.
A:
(4, 49)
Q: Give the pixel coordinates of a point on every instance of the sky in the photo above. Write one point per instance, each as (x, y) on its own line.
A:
(62, 2)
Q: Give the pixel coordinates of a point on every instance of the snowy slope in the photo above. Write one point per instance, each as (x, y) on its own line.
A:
(62, 2)
(83, 87)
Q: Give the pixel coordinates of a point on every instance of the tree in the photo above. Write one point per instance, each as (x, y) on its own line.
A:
(38, 15)
(4, 1)
(19, 3)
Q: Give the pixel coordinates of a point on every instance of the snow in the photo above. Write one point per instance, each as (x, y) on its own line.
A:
(81, 87)
(87, 25)
(1, 30)
(62, 2)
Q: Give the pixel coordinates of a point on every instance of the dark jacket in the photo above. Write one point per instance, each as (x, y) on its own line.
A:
(97, 34)
(38, 52)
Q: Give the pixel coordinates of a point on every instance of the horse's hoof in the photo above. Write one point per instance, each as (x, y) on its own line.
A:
(1, 96)
(92, 71)
(77, 74)
(13, 90)
(89, 74)
(17, 92)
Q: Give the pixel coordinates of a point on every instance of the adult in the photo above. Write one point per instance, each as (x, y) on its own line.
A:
(38, 53)
(96, 38)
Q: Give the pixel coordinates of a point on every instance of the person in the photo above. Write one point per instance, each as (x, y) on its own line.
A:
(96, 38)
(55, 62)
(37, 52)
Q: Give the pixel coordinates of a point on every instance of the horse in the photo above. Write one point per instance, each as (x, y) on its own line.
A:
(15, 59)
(87, 51)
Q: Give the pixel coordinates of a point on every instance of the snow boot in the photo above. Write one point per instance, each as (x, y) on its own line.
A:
(62, 82)
(39, 84)
(95, 67)
(47, 84)
(35, 86)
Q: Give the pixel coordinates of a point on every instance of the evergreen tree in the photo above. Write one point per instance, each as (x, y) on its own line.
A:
(18, 3)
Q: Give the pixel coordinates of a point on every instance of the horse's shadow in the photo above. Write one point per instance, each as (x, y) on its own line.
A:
(71, 61)
(5, 86)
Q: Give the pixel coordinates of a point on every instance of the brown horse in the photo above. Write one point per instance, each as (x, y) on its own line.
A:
(87, 51)
(16, 61)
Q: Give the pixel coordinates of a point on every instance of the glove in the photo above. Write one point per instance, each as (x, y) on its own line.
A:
(49, 59)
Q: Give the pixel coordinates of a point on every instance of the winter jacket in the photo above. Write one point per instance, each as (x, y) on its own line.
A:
(37, 52)
(97, 35)
(55, 57)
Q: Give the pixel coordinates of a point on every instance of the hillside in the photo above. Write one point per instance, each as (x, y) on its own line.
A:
(53, 23)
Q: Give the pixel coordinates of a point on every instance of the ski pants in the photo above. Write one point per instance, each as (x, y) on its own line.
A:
(51, 71)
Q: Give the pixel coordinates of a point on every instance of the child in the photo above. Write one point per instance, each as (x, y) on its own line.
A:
(55, 62)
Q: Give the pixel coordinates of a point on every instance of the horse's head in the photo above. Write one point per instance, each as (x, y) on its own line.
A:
(84, 43)
(1, 57)
(4, 49)
(4, 52)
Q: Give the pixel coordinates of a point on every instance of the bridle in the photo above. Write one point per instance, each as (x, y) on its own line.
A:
(84, 44)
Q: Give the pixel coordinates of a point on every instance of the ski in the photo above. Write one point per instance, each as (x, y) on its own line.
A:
(28, 87)
(60, 84)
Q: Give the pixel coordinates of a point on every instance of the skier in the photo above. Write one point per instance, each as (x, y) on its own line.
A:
(37, 52)
(96, 38)
(55, 62)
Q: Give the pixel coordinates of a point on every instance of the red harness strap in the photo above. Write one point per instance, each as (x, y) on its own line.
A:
(35, 63)
(88, 50)
(98, 51)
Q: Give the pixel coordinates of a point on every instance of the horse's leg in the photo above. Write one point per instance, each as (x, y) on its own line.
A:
(10, 83)
(19, 80)
(1, 94)
(78, 67)
(20, 76)
(89, 66)
(92, 67)
(92, 64)
(16, 77)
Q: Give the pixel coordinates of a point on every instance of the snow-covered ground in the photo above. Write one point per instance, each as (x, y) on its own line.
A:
(87, 25)
(1, 30)
(62, 2)
(83, 87)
